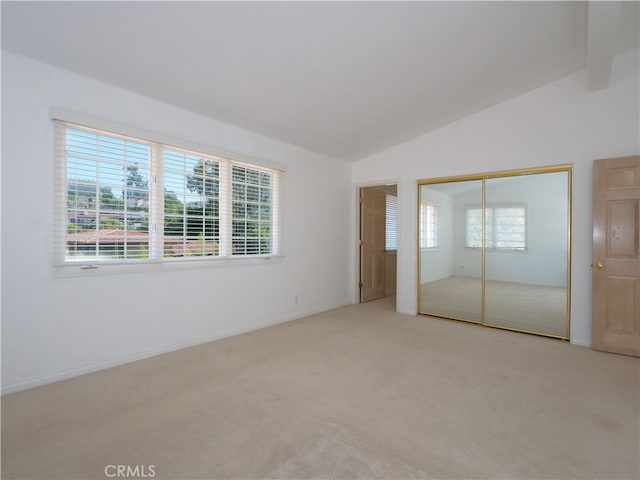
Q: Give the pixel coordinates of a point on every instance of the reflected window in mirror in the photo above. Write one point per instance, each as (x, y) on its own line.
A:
(505, 227)
(429, 225)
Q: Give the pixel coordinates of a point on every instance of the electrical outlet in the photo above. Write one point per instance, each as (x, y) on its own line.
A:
(296, 299)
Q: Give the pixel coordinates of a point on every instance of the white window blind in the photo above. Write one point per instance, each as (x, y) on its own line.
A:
(107, 196)
(121, 199)
(505, 227)
(428, 225)
(474, 228)
(251, 210)
(191, 218)
(391, 223)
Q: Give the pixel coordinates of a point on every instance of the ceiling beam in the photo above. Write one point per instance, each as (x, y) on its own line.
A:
(602, 35)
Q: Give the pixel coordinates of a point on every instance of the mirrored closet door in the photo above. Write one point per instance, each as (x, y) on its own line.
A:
(494, 249)
(452, 285)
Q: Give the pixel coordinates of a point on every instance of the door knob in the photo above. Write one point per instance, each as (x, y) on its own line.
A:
(600, 265)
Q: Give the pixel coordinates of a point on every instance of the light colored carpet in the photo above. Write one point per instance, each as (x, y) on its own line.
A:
(533, 308)
(357, 392)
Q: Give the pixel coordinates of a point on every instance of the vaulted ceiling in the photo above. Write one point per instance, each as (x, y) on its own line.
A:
(346, 79)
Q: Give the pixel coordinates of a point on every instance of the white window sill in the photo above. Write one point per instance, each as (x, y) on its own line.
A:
(98, 269)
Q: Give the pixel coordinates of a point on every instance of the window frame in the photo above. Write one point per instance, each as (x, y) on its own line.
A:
(158, 144)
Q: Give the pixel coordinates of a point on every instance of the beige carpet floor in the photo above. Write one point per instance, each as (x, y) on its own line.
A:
(356, 392)
(532, 308)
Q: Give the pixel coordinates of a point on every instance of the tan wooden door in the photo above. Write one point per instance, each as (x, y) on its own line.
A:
(616, 256)
(372, 243)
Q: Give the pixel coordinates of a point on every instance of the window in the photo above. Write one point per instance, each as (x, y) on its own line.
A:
(428, 225)
(123, 199)
(252, 193)
(506, 227)
(191, 205)
(391, 224)
(474, 228)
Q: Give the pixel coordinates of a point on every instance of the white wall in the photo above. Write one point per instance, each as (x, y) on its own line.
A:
(559, 123)
(56, 327)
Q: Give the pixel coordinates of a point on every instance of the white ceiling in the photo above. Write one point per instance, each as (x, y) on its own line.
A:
(346, 79)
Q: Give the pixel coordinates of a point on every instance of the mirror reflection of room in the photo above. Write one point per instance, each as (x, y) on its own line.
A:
(451, 286)
(519, 280)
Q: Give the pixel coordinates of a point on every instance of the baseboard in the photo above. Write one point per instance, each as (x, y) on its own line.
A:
(581, 343)
(95, 367)
(313, 311)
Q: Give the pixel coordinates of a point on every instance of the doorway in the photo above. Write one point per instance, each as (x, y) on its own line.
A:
(378, 241)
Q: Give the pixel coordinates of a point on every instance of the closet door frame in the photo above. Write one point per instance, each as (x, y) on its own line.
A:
(567, 168)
